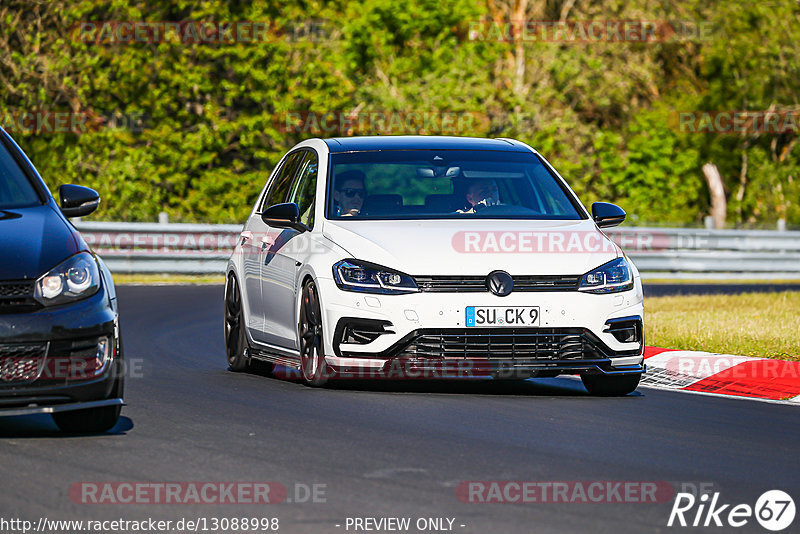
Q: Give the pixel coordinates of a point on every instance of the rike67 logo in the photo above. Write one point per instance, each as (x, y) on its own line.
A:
(774, 510)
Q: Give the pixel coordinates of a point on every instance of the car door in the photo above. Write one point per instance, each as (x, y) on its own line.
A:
(254, 238)
(281, 263)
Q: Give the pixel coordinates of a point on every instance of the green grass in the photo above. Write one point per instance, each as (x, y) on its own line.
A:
(766, 325)
(167, 279)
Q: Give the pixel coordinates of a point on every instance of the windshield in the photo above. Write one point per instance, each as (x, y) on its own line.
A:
(16, 190)
(445, 184)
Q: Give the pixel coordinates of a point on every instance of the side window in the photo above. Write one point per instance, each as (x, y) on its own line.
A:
(305, 188)
(282, 182)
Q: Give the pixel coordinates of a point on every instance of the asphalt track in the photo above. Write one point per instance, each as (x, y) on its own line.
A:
(384, 450)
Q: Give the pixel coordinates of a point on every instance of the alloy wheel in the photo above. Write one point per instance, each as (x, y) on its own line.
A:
(235, 340)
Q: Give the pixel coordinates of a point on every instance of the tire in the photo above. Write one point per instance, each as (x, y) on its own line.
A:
(313, 367)
(91, 421)
(236, 346)
(611, 385)
(95, 420)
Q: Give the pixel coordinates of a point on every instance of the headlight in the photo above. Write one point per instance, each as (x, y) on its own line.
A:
(74, 279)
(355, 275)
(612, 277)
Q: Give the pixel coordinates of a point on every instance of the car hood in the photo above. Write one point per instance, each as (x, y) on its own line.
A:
(32, 241)
(452, 247)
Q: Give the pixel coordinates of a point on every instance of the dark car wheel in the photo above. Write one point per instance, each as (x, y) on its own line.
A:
(91, 421)
(96, 420)
(611, 385)
(312, 363)
(235, 337)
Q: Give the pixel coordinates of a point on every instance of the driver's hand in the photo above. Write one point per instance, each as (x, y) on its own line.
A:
(485, 203)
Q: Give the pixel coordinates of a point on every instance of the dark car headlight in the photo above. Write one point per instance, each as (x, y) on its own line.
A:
(355, 275)
(611, 277)
(73, 279)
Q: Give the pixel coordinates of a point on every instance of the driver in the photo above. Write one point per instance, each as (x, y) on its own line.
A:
(349, 193)
(482, 193)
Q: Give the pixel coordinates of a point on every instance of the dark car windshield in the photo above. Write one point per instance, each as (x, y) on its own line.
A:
(445, 184)
(16, 191)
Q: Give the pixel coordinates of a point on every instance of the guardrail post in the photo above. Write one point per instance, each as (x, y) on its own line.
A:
(163, 218)
(781, 225)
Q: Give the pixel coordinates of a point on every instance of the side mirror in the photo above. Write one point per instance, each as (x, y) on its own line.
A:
(77, 201)
(607, 215)
(286, 215)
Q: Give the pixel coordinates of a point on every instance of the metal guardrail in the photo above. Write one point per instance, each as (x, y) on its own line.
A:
(657, 252)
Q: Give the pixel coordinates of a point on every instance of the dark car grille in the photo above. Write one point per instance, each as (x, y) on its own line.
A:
(21, 362)
(16, 289)
(17, 297)
(456, 283)
(539, 344)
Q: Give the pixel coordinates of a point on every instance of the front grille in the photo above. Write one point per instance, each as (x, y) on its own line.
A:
(16, 289)
(21, 362)
(538, 344)
(457, 283)
(17, 297)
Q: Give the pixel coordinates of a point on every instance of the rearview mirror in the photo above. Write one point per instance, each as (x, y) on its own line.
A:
(607, 215)
(77, 201)
(286, 215)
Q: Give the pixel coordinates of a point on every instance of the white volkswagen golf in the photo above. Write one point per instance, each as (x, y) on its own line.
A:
(432, 257)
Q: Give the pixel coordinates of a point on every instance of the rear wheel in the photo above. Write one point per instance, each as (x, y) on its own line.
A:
(235, 337)
(611, 385)
(309, 329)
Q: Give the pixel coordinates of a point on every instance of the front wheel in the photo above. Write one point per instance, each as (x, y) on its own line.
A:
(95, 420)
(235, 337)
(309, 332)
(611, 385)
(89, 421)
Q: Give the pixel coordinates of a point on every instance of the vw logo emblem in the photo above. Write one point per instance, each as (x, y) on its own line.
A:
(500, 283)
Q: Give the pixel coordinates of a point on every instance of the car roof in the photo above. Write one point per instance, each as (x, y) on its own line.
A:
(421, 142)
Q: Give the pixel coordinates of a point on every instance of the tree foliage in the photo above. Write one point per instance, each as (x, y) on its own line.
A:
(214, 115)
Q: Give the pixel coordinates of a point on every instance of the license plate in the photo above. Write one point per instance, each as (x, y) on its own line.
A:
(502, 316)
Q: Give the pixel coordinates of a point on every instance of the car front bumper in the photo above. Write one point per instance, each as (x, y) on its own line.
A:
(38, 348)
(424, 334)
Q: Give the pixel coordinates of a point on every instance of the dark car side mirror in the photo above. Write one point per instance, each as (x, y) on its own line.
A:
(286, 215)
(77, 201)
(607, 215)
